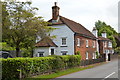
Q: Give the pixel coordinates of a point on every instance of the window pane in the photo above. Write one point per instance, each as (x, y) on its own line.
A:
(64, 52)
(86, 43)
(63, 41)
(86, 55)
(78, 42)
(40, 54)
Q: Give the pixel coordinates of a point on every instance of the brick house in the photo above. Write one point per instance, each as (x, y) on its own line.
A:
(71, 38)
(104, 44)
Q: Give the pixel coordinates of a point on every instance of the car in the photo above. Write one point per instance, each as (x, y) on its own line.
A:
(5, 54)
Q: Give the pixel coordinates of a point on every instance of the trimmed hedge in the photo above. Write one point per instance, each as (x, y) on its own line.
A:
(12, 68)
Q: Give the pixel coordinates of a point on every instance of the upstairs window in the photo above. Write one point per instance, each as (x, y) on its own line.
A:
(64, 41)
(78, 41)
(86, 43)
(93, 44)
(110, 44)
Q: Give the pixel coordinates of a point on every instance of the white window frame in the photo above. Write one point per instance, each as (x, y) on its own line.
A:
(64, 51)
(93, 44)
(87, 55)
(52, 48)
(110, 44)
(78, 41)
(40, 53)
(87, 43)
(93, 55)
(62, 41)
(105, 44)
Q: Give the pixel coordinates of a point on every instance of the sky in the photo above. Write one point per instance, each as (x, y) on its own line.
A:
(85, 12)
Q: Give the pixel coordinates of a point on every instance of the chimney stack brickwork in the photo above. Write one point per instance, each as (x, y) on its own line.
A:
(55, 12)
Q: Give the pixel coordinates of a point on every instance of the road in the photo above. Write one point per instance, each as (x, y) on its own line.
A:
(102, 72)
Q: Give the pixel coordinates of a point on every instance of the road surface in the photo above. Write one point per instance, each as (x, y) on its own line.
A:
(102, 72)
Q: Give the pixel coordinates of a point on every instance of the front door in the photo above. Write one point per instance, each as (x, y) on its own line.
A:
(52, 51)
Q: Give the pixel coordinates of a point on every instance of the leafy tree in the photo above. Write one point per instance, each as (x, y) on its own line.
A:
(102, 26)
(22, 26)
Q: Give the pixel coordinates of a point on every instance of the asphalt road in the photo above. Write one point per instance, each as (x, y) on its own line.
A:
(102, 72)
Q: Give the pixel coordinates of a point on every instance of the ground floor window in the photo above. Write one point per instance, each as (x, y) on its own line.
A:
(64, 52)
(40, 54)
(86, 55)
(94, 56)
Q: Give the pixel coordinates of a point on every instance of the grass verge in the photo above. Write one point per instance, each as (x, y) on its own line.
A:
(61, 73)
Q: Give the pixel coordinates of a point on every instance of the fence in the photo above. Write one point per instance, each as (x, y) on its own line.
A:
(92, 61)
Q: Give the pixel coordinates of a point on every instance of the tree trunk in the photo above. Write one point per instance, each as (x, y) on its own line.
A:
(32, 52)
(17, 52)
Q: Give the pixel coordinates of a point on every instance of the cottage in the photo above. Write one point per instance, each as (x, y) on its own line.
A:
(104, 44)
(71, 38)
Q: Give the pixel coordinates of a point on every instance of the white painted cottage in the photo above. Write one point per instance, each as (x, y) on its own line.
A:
(71, 37)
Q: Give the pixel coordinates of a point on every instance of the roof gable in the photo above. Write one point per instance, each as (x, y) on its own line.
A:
(45, 42)
(103, 39)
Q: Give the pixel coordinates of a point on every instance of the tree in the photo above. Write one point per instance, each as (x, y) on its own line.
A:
(23, 27)
(102, 26)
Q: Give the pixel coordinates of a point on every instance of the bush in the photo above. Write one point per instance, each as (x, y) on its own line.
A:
(12, 67)
(78, 52)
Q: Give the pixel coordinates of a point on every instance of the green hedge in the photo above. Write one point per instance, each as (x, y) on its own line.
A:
(12, 67)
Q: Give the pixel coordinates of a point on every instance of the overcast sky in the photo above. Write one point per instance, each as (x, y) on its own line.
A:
(85, 12)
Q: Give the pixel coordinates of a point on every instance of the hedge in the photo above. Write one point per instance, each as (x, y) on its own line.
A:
(15, 68)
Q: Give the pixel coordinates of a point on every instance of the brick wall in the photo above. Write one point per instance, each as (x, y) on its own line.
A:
(83, 49)
(103, 47)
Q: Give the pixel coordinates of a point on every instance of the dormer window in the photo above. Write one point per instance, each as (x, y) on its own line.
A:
(86, 43)
(78, 41)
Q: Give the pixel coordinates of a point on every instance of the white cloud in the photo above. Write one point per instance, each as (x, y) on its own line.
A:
(86, 12)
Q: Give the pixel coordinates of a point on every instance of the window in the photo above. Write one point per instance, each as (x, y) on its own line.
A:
(86, 55)
(78, 41)
(93, 44)
(105, 44)
(110, 45)
(40, 54)
(64, 52)
(86, 43)
(63, 41)
(94, 56)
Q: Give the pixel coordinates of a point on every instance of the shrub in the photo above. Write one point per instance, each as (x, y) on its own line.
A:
(97, 54)
(12, 67)
(78, 52)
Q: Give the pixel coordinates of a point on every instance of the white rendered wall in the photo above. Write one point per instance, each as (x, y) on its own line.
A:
(41, 49)
(63, 31)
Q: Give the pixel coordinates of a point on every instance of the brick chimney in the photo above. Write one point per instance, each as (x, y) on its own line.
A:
(104, 34)
(55, 12)
(95, 32)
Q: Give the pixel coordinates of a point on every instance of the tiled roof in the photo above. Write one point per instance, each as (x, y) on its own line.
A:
(117, 37)
(45, 42)
(104, 39)
(74, 26)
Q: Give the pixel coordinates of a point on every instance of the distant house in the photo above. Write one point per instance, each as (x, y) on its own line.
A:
(104, 44)
(71, 38)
